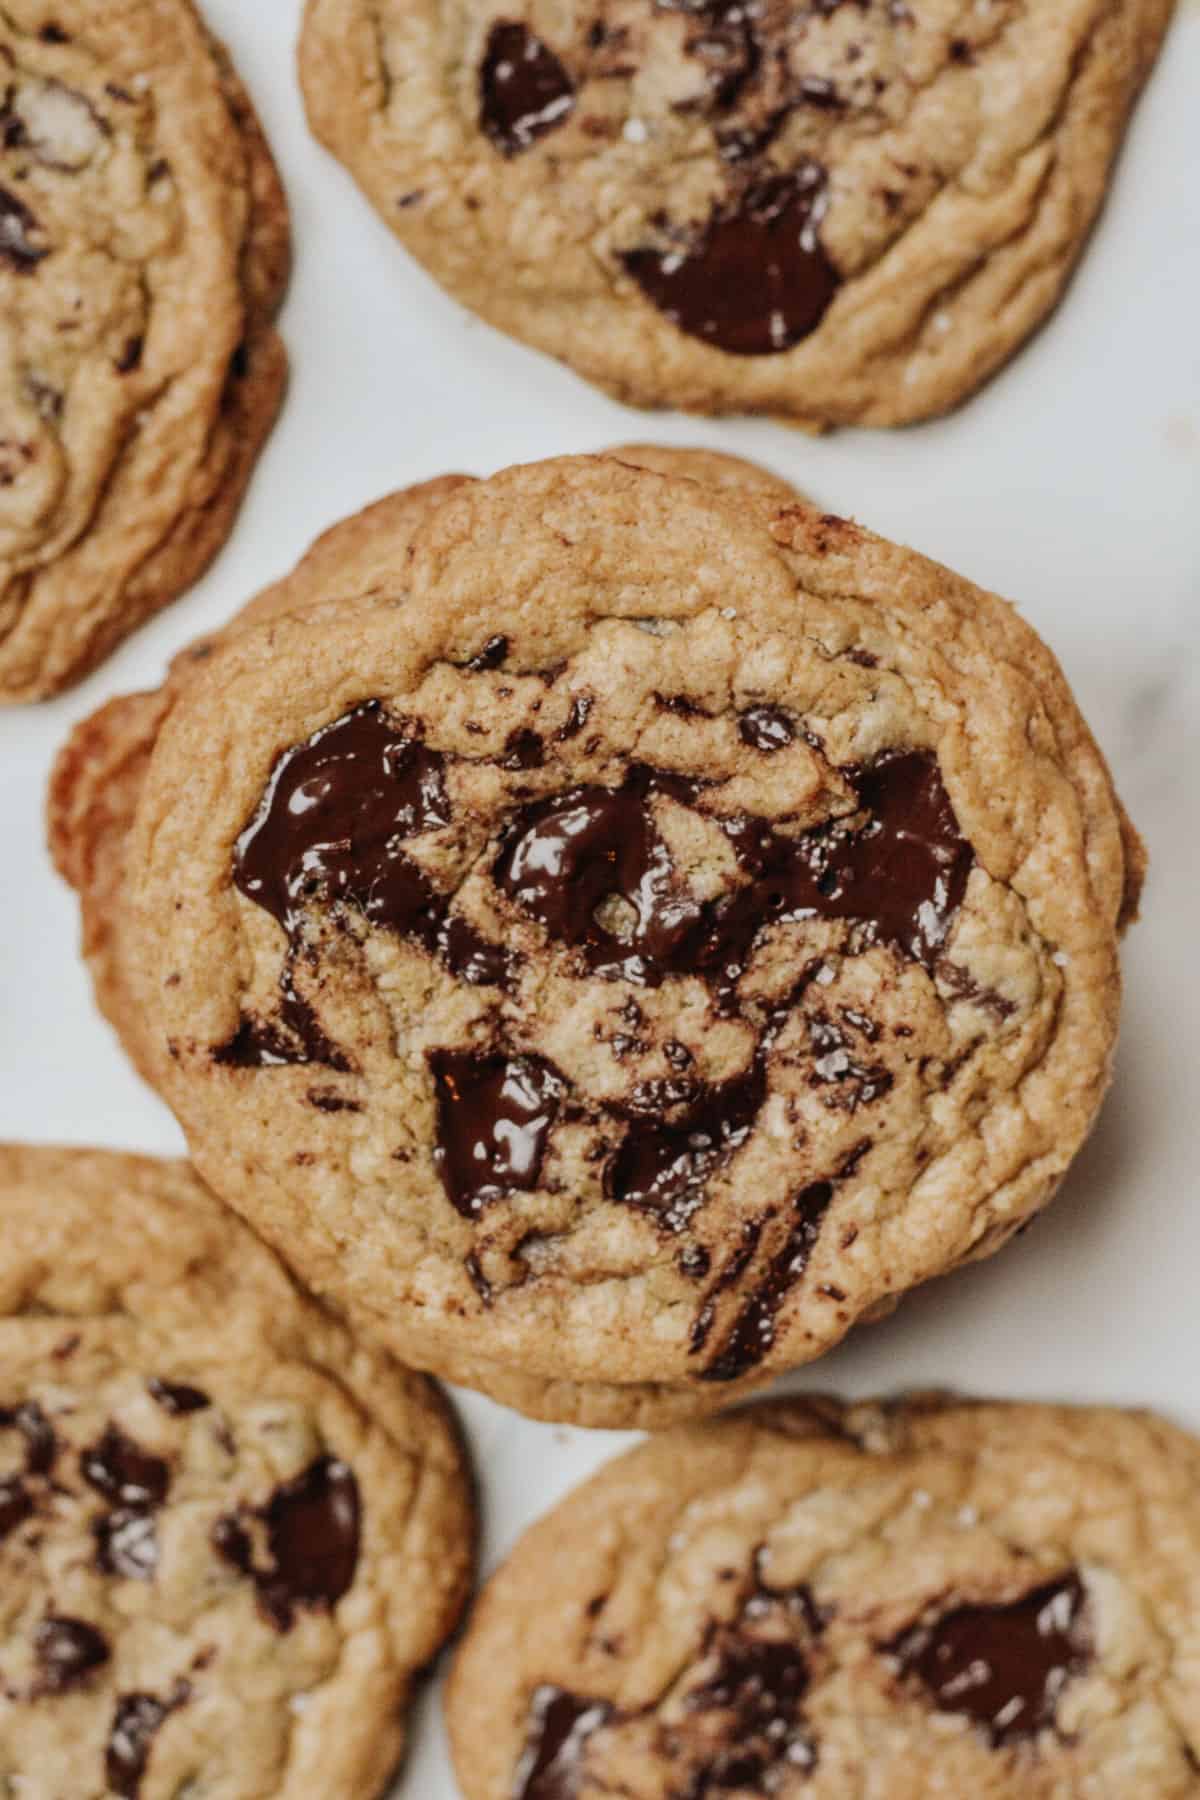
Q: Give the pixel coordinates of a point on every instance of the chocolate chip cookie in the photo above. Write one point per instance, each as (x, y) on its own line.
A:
(814, 1601)
(143, 254)
(647, 932)
(229, 1535)
(841, 211)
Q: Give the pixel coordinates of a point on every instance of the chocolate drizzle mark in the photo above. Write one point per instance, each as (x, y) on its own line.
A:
(524, 90)
(1003, 1667)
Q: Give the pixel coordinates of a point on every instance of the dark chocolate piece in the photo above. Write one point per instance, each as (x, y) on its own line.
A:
(761, 1683)
(125, 1473)
(176, 1397)
(313, 1529)
(67, 1652)
(664, 1167)
(755, 279)
(41, 1445)
(329, 829)
(21, 245)
(16, 1505)
(127, 1543)
(494, 1117)
(1003, 1667)
(766, 728)
(753, 1331)
(524, 90)
(136, 1722)
(560, 1727)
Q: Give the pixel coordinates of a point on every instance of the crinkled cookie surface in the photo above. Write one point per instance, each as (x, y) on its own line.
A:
(845, 211)
(815, 1601)
(143, 254)
(229, 1536)
(653, 930)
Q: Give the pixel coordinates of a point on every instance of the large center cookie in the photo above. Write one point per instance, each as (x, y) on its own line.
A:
(143, 251)
(922, 1601)
(657, 930)
(839, 210)
(229, 1537)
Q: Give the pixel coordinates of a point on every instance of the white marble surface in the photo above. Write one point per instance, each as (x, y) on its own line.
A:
(1072, 485)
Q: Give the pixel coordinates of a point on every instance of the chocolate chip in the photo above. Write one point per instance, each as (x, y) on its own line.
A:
(755, 279)
(312, 1529)
(126, 1544)
(524, 90)
(21, 237)
(131, 355)
(494, 1117)
(577, 717)
(136, 1722)
(664, 1167)
(122, 1471)
(761, 1684)
(294, 1035)
(560, 1727)
(490, 657)
(1003, 1667)
(766, 728)
(176, 1397)
(41, 1445)
(524, 750)
(16, 1504)
(67, 1651)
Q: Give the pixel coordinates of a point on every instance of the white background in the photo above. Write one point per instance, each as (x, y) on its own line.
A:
(1072, 485)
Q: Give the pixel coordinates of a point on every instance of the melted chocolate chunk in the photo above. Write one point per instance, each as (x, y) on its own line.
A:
(136, 1722)
(494, 1117)
(753, 1331)
(41, 1445)
(565, 856)
(21, 245)
(16, 1505)
(766, 728)
(176, 1397)
(560, 1727)
(67, 1652)
(755, 279)
(665, 1167)
(312, 1527)
(524, 750)
(524, 90)
(899, 875)
(1004, 1667)
(122, 1471)
(761, 1684)
(127, 1544)
(491, 656)
(329, 830)
(335, 811)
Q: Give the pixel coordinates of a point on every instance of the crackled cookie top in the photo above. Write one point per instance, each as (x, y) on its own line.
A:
(142, 242)
(206, 1495)
(842, 209)
(810, 1601)
(668, 933)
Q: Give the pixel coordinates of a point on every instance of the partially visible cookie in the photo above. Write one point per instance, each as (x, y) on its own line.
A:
(650, 932)
(230, 1536)
(98, 774)
(144, 249)
(840, 211)
(927, 1599)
